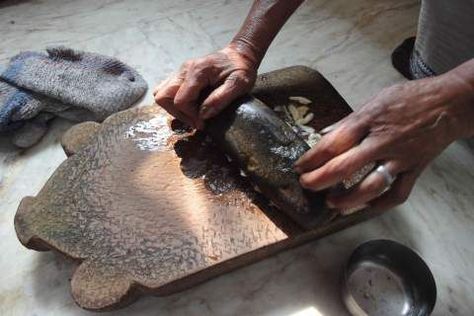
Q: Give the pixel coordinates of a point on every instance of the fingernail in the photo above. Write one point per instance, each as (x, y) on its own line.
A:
(330, 204)
(297, 169)
(353, 210)
(203, 110)
(327, 129)
(207, 112)
(297, 163)
(200, 125)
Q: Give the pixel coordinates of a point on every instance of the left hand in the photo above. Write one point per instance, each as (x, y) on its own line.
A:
(404, 128)
(225, 74)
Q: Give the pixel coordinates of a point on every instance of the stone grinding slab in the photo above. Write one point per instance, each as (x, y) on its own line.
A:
(145, 210)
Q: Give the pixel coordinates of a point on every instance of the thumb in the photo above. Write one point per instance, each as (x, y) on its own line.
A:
(236, 85)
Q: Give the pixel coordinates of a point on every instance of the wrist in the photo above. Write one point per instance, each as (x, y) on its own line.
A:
(459, 87)
(249, 51)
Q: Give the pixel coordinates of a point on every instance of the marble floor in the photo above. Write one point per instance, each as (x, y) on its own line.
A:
(349, 42)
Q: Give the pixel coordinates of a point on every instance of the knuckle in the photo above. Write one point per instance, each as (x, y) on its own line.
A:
(203, 62)
(246, 81)
(162, 103)
(194, 87)
(348, 126)
(238, 78)
(159, 97)
(347, 135)
(306, 181)
(174, 81)
(336, 170)
(339, 172)
(179, 103)
(375, 186)
(199, 73)
(245, 78)
(404, 196)
(326, 151)
(198, 76)
(401, 197)
(187, 64)
(198, 66)
(192, 84)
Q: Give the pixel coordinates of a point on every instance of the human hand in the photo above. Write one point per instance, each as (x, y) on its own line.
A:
(403, 128)
(225, 75)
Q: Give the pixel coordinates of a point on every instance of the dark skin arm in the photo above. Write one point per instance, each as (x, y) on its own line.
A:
(404, 127)
(227, 73)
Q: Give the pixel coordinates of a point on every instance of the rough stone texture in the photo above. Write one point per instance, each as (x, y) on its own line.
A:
(147, 211)
(123, 206)
(78, 136)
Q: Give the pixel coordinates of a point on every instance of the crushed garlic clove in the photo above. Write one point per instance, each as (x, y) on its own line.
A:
(313, 139)
(295, 114)
(307, 129)
(303, 110)
(300, 100)
(287, 114)
(305, 120)
(349, 211)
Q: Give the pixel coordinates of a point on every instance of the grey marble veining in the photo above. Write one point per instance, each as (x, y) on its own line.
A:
(350, 42)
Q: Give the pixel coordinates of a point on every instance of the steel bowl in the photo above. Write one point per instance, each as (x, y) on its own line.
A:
(383, 277)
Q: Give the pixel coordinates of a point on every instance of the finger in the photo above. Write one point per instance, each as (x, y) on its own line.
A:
(187, 96)
(333, 126)
(233, 87)
(172, 79)
(169, 107)
(339, 168)
(194, 82)
(368, 189)
(399, 192)
(160, 86)
(165, 99)
(331, 145)
(168, 89)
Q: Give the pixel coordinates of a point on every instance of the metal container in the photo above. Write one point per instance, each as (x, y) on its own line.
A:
(383, 277)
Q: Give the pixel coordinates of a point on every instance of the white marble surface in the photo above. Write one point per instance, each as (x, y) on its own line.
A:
(350, 42)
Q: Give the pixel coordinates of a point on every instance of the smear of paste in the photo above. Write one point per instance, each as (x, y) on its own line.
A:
(150, 135)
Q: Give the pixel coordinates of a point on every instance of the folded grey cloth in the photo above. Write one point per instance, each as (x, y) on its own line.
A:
(64, 82)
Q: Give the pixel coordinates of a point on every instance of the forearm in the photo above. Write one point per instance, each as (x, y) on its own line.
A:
(459, 84)
(264, 21)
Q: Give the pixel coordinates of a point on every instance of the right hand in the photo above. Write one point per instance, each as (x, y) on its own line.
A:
(225, 75)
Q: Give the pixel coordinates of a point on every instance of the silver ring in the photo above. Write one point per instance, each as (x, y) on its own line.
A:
(388, 178)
